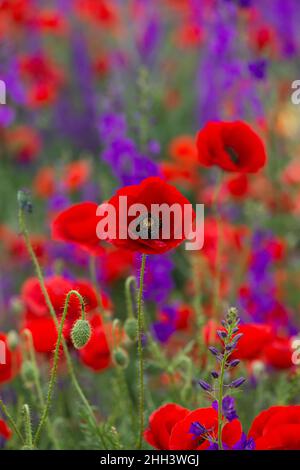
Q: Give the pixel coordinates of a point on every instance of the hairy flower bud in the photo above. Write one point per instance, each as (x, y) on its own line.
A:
(12, 340)
(24, 200)
(120, 357)
(81, 333)
(130, 327)
(28, 372)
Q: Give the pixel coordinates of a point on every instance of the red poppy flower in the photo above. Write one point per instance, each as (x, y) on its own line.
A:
(184, 150)
(233, 146)
(77, 225)
(169, 428)
(76, 174)
(5, 432)
(96, 354)
(116, 263)
(277, 428)
(12, 359)
(238, 185)
(44, 182)
(24, 143)
(161, 423)
(57, 287)
(182, 439)
(44, 333)
(150, 191)
(255, 338)
(278, 353)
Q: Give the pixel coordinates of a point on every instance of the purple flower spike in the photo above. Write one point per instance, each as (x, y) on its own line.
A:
(214, 374)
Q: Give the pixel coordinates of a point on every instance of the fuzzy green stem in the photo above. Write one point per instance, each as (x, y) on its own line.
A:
(140, 325)
(40, 277)
(11, 421)
(130, 281)
(55, 362)
(220, 402)
(27, 427)
(37, 383)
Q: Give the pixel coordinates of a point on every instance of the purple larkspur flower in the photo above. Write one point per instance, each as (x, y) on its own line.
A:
(205, 386)
(164, 328)
(258, 69)
(228, 408)
(58, 202)
(237, 382)
(7, 115)
(244, 443)
(158, 278)
(149, 39)
(112, 125)
(197, 429)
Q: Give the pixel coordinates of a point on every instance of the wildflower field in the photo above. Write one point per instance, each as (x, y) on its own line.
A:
(124, 328)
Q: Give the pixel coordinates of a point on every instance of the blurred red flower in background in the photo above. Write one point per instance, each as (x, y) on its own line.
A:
(12, 360)
(277, 428)
(5, 432)
(233, 146)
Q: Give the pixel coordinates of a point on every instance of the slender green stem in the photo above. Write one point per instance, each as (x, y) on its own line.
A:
(28, 335)
(37, 383)
(140, 325)
(55, 362)
(220, 404)
(11, 421)
(27, 427)
(40, 277)
(130, 281)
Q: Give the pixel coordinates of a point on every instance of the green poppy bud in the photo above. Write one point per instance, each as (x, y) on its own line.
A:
(81, 333)
(130, 328)
(12, 340)
(120, 357)
(28, 372)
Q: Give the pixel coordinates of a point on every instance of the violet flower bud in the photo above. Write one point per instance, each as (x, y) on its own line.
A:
(221, 334)
(205, 385)
(214, 350)
(234, 363)
(237, 382)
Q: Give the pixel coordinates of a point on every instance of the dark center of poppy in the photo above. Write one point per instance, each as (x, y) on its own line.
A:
(233, 155)
(148, 226)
